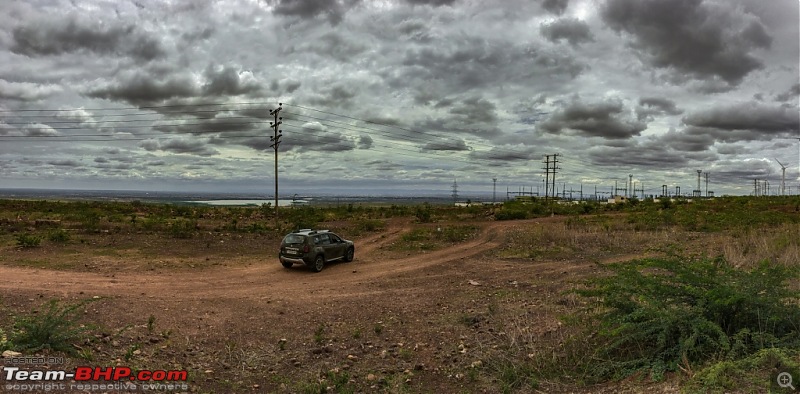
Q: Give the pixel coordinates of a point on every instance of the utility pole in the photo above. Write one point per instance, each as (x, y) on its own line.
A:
(276, 140)
(547, 177)
(783, 178)
(494, 190)
(706, 174)
(555, 169)
(677, 191)
(663, 190)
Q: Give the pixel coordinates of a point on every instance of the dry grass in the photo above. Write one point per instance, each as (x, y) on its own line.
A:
(779, 244)
(605, 236)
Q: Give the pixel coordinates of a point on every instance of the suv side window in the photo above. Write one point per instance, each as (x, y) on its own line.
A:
(317, 239)
(334, 239)
(324, 240)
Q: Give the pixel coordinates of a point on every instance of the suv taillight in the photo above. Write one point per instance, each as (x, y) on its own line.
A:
(306, 249)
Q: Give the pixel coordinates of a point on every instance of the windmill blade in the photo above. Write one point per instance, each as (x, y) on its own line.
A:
(781, 164)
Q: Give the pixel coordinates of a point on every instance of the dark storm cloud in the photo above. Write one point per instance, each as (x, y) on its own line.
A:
(100, 160)
(56, 36)
(692, 140)
(312, 136)
(141, 87)
(220, 124)
(754, 116)
(339, 96)
(364, 142)
(383, 165)
(605, 119)
(691, 37)
(39, 130)
(64, 163)
(469, 63)
(180, 145)
(572, 30)
(728, 149)
(504, 154)
(435, 3)
(649, 107)
(475, 110)
(791, 94)
(229, 81)
(446, 145)
(555, 6)
(640, 155)
(307, 9)
(26, 91)
(332, 45)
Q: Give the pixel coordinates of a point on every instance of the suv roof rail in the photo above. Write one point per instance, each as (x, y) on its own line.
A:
(302, 230)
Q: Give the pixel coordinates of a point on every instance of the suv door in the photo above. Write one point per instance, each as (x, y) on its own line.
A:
(338, 247)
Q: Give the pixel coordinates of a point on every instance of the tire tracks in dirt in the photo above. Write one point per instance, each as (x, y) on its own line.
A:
(262, 280)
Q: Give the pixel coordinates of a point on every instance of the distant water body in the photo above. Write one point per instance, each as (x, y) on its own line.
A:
(211, 198)
(281, 203)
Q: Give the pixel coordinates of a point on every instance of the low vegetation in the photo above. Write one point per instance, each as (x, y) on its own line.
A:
(704, 294)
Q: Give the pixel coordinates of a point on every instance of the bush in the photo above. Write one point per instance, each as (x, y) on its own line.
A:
(55, 328)
(660, 315)
(511, 214)
(28, 241)
(59, 236)
(183, 229)
(423, 213)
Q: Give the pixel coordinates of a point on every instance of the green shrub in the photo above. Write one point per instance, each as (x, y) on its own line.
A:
(56, 328)
(59, 236)
(28, 240)
(183, 228)
(658, 314)
(423, 213)
(511, 214)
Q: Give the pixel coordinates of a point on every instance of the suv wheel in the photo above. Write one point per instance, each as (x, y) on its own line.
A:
(318, 264)
(286, 264)
(348, 257)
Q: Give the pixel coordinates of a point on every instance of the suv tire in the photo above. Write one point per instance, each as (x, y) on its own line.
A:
(348, 256)
(286, 264)
(319, 262)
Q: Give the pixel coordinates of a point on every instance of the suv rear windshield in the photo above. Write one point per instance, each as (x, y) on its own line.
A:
(294, 239)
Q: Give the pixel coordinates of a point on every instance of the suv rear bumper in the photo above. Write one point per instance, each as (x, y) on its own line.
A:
(292, 260)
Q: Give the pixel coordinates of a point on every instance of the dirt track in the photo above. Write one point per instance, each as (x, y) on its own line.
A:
(260, 278)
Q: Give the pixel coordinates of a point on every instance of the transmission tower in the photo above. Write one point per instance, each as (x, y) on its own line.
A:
(276, 140)
(455, 191)
(494, 189)
(698, 192)
(550, 167)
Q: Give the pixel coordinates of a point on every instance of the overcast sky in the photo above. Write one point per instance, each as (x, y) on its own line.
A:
(384, 97)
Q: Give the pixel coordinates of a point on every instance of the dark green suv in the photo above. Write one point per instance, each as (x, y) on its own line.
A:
(314, 248)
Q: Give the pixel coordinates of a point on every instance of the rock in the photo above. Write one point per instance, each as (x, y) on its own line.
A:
(476, 364)
(371, 377)
(11, 353)
(352, 357)
(473, 282)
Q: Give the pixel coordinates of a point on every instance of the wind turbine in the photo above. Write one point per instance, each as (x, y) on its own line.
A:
(783, 178)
